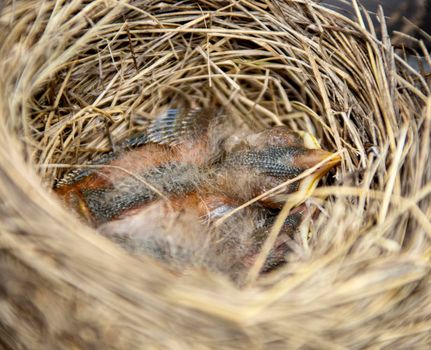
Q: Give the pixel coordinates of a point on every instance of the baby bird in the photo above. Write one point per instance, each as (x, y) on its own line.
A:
(168, 160)
(261, 161)
(188, 169)
(175, 233)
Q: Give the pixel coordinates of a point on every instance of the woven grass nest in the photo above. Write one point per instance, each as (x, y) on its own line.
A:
(74, 72)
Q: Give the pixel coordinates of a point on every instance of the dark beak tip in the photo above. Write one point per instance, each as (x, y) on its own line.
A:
(330, 164)
(313, 157)
(334, 160)
(322, 155)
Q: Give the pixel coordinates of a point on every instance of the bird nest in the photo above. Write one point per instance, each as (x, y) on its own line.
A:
(81, 76)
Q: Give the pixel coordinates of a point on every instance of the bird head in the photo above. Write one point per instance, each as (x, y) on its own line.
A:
(259, 162)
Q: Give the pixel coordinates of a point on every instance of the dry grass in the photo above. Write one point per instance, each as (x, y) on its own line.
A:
(74, 72)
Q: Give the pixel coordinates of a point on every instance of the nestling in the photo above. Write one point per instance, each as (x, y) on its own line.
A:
(190, 168)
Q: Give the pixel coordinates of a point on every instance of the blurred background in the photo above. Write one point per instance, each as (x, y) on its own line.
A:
(412, 17)
(402, 15)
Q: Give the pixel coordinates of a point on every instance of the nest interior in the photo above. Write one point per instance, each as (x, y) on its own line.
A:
(80, 75)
